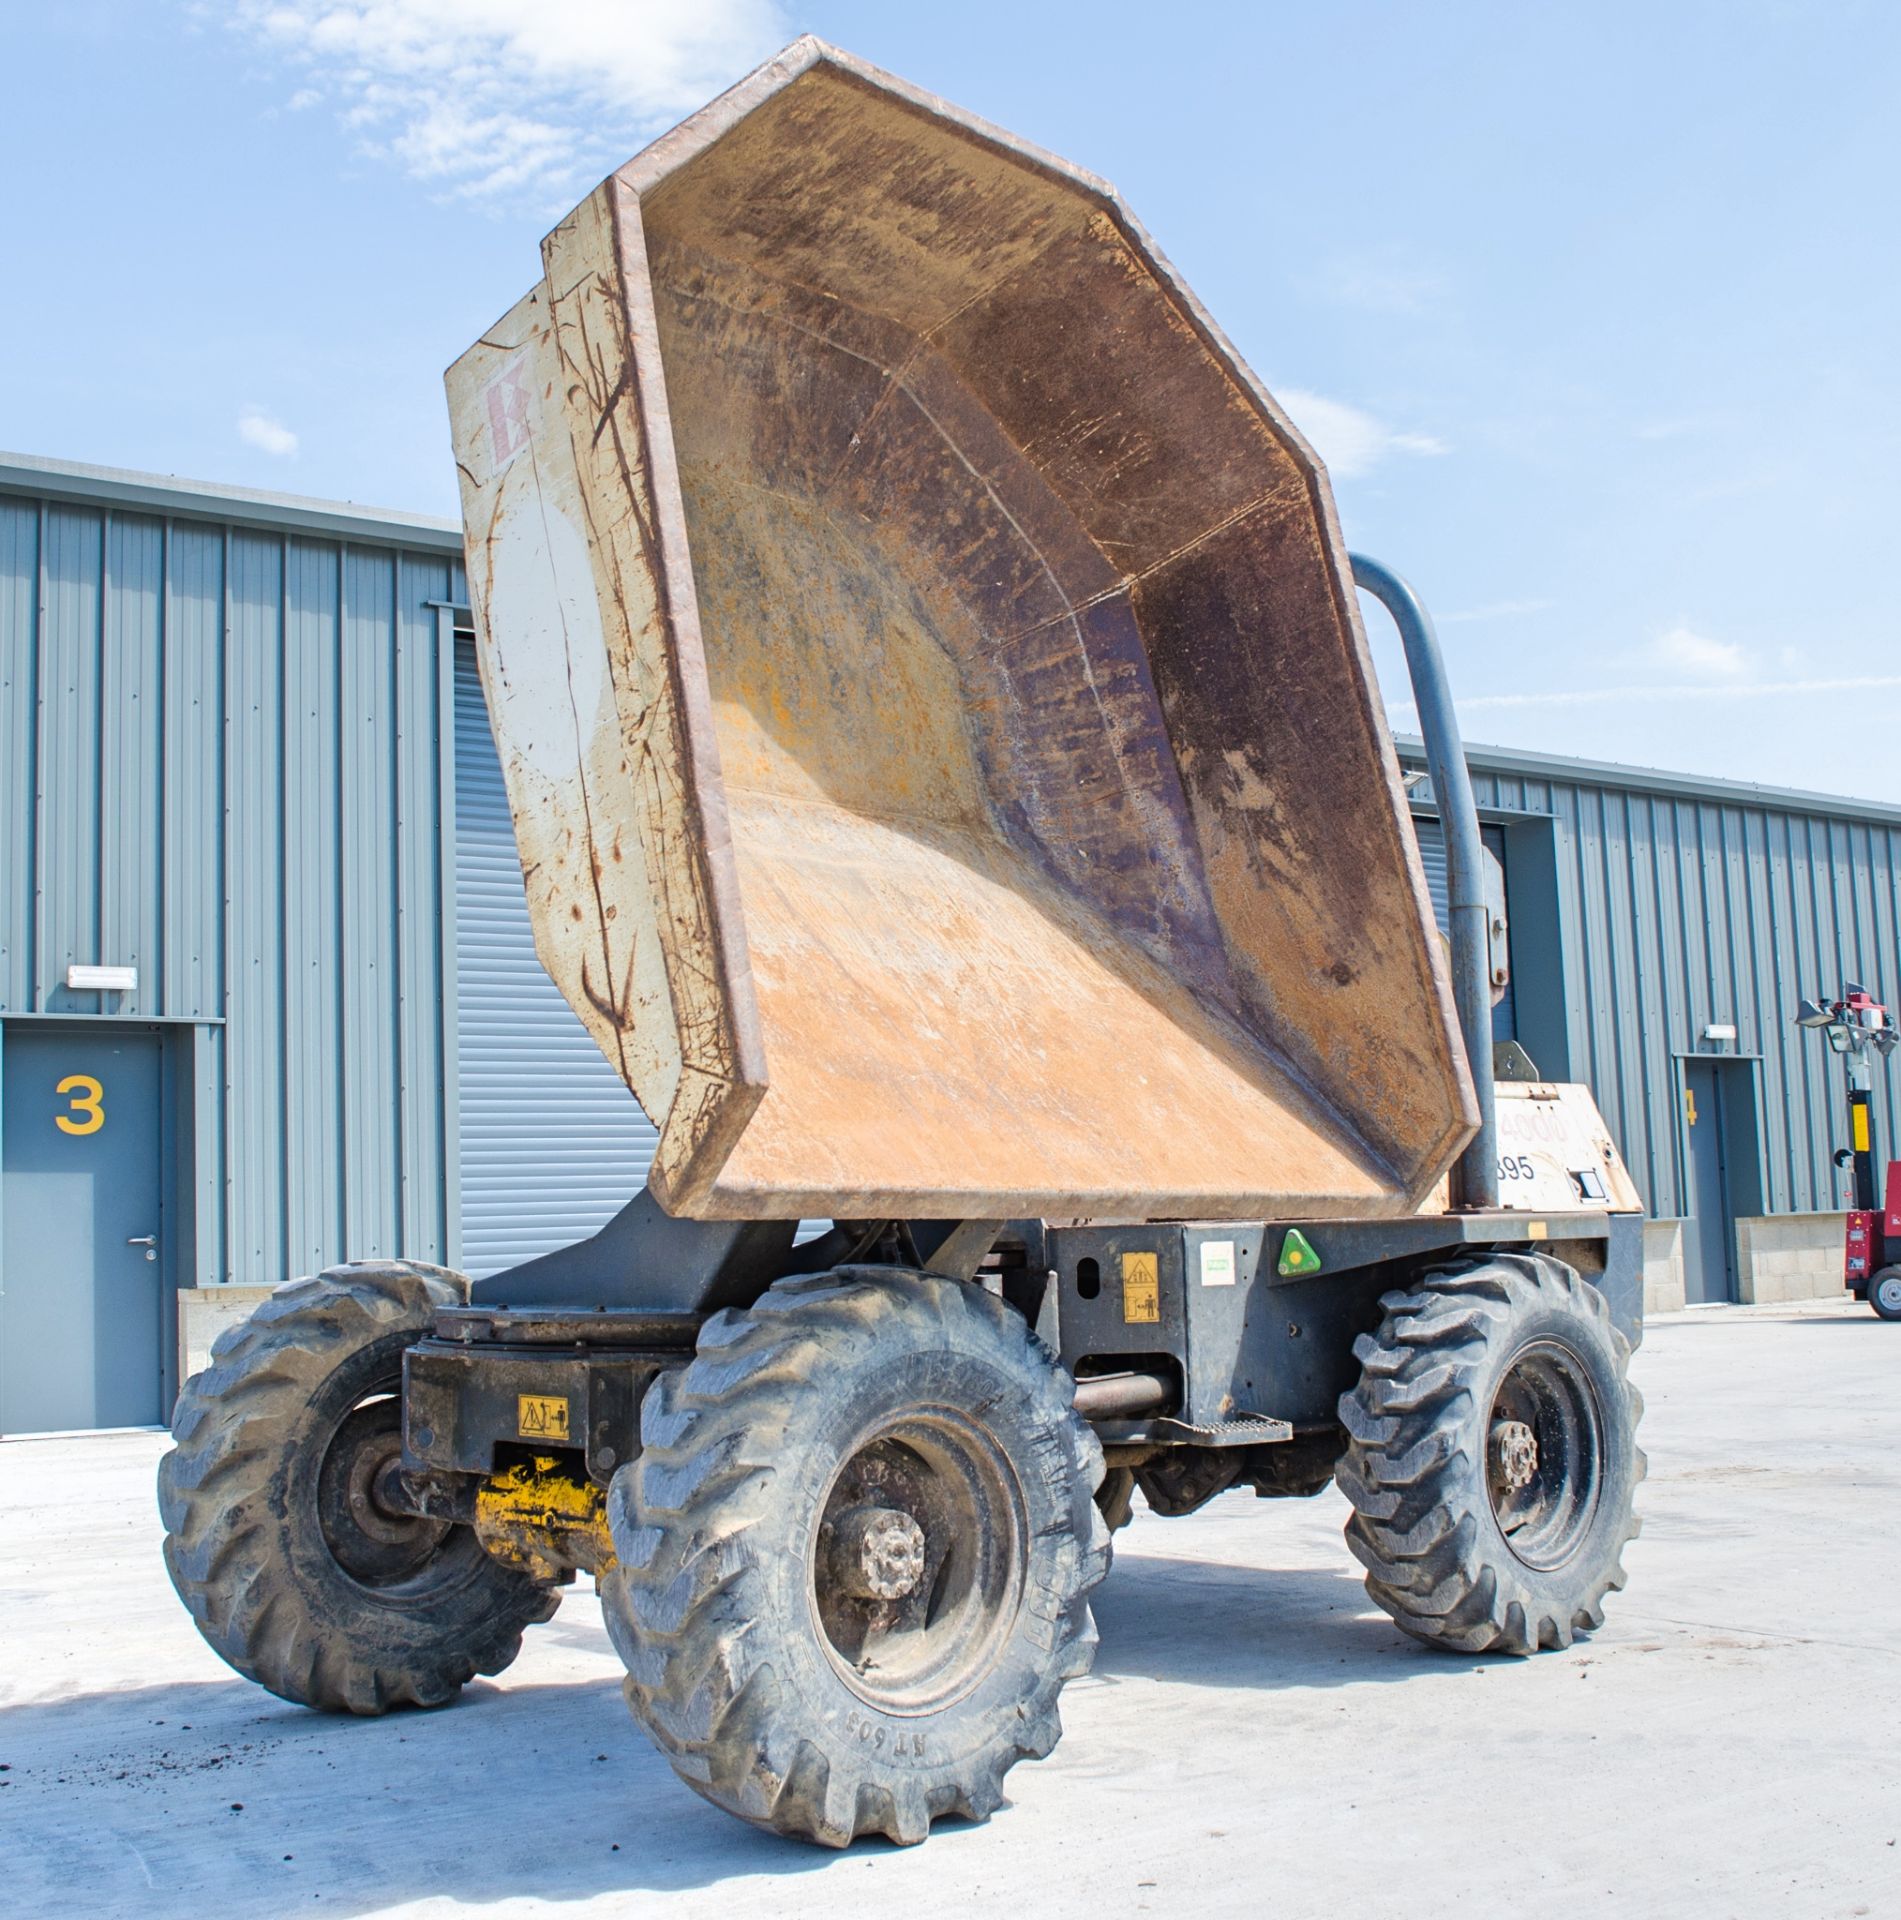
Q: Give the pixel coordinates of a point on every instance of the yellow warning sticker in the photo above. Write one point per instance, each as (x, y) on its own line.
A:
(1141, 1288)
(541, 1416)
(1858, 1119)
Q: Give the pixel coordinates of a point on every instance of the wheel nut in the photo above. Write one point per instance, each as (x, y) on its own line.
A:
(1514, 1454)
(877, 1553)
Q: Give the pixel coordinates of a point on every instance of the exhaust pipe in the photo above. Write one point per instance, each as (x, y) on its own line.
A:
(1123, 1396)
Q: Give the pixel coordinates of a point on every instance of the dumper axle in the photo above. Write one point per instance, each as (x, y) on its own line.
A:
(1182, 1340)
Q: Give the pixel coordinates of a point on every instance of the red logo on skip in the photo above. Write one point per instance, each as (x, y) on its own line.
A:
(507, 397)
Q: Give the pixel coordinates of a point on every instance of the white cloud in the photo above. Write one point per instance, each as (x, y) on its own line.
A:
(1493, 610)
(493, 98)
(261, 430)
(1683, 650)
(1351, 442)
(1378, 283)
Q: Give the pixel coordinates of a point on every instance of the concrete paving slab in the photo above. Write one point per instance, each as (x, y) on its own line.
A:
(1256, 1739)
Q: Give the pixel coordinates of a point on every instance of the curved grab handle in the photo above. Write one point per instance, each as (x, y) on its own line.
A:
(1475, 1176)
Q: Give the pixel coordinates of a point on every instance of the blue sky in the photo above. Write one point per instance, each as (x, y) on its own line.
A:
(1594, 310)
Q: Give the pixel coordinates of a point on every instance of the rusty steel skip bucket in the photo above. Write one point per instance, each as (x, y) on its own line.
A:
(948, 772)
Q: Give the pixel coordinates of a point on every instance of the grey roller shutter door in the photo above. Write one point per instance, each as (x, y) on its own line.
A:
(1432, 856)
(552, 1143)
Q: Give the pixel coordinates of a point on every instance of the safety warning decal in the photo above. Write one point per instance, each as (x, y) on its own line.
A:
(541, 1416)
(1141, 1288)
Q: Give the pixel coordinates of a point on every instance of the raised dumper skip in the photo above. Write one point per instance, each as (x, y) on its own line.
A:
(951, 786)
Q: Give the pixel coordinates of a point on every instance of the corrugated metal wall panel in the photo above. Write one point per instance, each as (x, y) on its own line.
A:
(131, 693)
(552, 1143)
(371, 1144)
(67, 853)
(19, 732)
(421, 882)
(193, 884)
(313, 947)
(1649, 964)
(254, 848)
(222, 751)
(1621, 1038)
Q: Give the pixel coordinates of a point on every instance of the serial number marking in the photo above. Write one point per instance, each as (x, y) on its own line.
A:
(902, 1743)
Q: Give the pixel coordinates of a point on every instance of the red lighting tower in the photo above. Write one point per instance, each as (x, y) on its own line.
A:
(1858, 1028)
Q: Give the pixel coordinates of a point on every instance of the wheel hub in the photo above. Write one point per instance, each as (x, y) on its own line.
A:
(1514, 1455)
(1545, 1454)
(372, 1542)
(917, 1568)
(877, 1553)
(367, 1489)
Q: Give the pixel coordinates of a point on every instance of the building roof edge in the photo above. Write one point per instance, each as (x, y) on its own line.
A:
(1525, 765)
(168, 495)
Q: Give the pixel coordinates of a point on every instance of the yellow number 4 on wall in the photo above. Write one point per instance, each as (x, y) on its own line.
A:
(88, 1101)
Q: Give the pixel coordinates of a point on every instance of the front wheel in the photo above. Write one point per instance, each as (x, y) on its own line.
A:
(275, 1537)
(1492, 1456)
(1884, 1293)
(855, 1555)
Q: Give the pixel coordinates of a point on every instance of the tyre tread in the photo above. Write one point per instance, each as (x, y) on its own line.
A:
(1416, 1493)
(699, 1679)
(231, 1429)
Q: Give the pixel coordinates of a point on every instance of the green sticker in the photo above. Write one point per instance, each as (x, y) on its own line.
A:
(1297, 1253)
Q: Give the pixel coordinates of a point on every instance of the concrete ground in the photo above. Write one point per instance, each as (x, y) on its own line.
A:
(1255, 1739)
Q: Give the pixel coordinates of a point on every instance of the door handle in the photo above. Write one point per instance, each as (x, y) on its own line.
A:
(149, 1241)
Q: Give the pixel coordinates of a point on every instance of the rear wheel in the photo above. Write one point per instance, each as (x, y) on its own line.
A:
(1884, 1293)
(855, 1554)
(295, 1570)
(1492, 1456)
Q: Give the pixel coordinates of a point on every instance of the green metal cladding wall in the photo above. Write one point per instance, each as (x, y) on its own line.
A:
(1685, 902)
(224, 759)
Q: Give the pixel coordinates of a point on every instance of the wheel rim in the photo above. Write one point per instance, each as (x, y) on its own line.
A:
(374, 1545)
(1545, 1454)
(916, 1570)
(1887, 1294)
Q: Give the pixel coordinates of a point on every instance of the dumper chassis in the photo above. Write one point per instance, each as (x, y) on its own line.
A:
(913, 609)
(845, 1502)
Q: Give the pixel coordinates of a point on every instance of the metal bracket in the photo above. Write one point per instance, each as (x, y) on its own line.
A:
(954, 1248)
(647, 1257)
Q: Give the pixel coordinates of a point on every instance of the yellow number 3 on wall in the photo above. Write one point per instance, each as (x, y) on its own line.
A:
(88, 1100)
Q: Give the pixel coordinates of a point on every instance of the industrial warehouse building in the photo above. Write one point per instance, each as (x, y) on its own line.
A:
(270, 998)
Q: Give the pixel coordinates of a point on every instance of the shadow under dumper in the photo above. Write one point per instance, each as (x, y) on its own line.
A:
(214, 1796)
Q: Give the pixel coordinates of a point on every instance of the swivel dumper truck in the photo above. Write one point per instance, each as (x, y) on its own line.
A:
(951, 787)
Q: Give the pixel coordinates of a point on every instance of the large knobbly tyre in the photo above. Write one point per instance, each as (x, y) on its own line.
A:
(1492, 1456)
(855, 1555)
(274, 1537)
